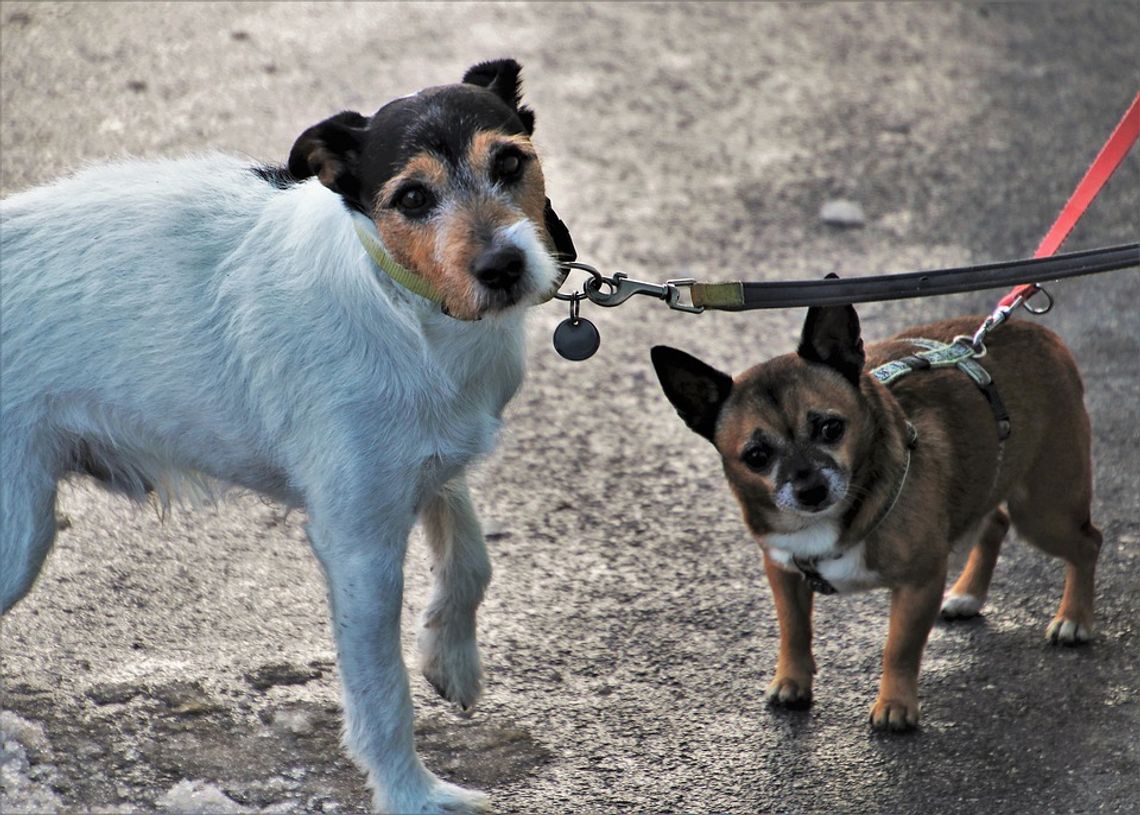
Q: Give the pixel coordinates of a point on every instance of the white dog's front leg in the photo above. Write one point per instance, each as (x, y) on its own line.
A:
(449, 655)
(366, 582)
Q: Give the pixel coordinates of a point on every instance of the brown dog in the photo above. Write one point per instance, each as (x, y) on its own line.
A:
(848, 484)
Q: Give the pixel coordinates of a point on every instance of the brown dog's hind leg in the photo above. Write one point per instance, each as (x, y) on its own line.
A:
(791, 686)
(1077, 542)
(968, 594)
(1073, 623)
(1051, 511)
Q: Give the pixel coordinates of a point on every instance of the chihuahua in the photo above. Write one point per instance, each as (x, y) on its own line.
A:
(853, 477)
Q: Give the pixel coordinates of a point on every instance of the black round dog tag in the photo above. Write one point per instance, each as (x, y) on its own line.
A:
(576, 339)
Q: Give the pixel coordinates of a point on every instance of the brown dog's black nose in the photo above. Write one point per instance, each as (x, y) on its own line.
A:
(813, 494)
(810, 487)
(808, 483)
(499, 267)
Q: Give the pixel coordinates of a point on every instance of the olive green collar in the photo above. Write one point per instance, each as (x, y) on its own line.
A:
(402, 275)
(412, 281)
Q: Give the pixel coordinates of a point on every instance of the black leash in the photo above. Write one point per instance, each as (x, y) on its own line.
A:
(741, 296)
(833, 292)
(576, 337)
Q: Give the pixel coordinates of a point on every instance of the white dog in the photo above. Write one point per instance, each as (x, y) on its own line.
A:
(341, 335)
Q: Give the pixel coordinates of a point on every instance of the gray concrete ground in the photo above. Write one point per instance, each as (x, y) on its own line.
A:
(629, 633)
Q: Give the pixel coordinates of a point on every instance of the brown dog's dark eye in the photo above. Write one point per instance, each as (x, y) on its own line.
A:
(758, 457)
(413, 201)
(508, 167)
(831, 430)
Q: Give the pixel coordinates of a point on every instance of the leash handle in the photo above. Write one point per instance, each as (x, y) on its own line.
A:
(1104, 165)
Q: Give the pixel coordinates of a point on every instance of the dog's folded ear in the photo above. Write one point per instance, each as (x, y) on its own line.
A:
(831, 337)
(696, 390)
(330, 151)
(501, 77)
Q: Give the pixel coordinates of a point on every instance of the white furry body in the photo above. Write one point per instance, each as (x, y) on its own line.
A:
(186, 319)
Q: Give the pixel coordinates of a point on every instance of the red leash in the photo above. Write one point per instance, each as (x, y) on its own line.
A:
(1102, 168)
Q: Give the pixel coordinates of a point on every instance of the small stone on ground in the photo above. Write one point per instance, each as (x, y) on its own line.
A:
(198, 798)
(841, 212)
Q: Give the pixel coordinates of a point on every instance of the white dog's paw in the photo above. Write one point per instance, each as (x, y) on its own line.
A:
(450, 662)
(441, 798)
(1063, 631)
(961, 606)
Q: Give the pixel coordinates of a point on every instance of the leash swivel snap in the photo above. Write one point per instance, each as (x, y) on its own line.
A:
(613, 291)
(1005, 309)
(576, 338)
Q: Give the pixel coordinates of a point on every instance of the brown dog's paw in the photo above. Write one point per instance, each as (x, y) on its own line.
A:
(1063, 631)
(961, 607)
(894, 714)
(788, 692)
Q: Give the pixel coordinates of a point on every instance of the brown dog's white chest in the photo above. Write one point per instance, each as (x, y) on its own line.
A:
(815, 549)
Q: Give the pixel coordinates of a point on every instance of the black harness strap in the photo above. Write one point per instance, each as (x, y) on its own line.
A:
(1001, 415)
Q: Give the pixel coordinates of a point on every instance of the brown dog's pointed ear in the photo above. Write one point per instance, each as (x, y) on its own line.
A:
(330, 151)
(696, 390)
(501, 77)
(831, 337)
(559, 236)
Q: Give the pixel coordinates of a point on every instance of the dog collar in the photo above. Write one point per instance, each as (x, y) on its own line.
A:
(412, 281)
(402, 275)
(911, 444)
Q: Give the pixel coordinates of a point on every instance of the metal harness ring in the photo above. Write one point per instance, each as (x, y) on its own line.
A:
(1048, 306)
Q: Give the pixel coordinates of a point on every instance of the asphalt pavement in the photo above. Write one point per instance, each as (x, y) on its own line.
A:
(185, 662)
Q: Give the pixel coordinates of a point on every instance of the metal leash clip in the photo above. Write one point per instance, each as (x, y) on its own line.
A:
(1003, 312)
(613, 291)
(576, 338)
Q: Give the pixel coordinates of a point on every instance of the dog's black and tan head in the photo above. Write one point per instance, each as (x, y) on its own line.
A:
(453, 183)
(790, 430)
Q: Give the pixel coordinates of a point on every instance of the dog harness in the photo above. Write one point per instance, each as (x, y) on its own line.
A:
(960, 354)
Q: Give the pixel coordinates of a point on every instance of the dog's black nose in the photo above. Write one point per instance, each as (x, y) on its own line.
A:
(499, 267)
(813, 493)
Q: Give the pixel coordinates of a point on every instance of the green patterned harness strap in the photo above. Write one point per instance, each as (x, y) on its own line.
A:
(959, 354)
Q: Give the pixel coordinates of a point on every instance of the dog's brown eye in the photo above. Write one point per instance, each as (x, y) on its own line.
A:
(758, 457)
(508, 166)
(831, 430)
(413, 201)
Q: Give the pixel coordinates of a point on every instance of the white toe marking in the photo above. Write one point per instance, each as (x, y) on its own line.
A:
(1067, 632)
